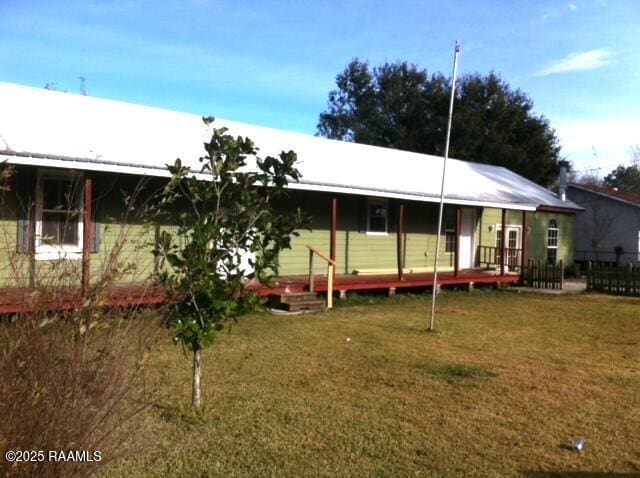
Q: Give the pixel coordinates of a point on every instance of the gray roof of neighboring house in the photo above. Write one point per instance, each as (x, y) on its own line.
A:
(56, 129)
(626, 197)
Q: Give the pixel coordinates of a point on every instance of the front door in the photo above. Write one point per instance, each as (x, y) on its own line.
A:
(513, 246)
(467, 246)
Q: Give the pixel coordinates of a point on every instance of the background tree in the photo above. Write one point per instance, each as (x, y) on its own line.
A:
(624, 178)
(400, 106)
(228, 233)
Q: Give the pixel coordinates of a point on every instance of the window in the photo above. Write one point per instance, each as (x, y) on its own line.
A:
(377, 216)
(552, 242)
(58, 217)
(449, 226)
(450, 241)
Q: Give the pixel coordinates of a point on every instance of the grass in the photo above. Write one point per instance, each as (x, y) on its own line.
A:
(501, 390)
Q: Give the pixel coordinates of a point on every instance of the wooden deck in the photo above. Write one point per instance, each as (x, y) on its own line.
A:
(20, 300)
(351, 282)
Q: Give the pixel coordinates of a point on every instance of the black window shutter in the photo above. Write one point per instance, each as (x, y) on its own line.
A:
(392, 215)
(24, 233)
(96, 237)
(362, 214)
(25, 188)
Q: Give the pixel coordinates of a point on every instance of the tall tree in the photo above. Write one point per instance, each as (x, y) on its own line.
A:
(624, 178)
(228, 232)
(400, 106)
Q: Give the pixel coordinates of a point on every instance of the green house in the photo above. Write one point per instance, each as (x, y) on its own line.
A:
(84, 166)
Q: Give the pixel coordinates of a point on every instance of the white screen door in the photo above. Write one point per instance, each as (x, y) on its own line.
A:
(467, 246)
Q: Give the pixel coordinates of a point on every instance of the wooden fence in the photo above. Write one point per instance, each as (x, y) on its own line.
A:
(542, 275)
(621, 280)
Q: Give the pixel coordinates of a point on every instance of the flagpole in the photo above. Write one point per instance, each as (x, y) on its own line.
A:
(432, 322)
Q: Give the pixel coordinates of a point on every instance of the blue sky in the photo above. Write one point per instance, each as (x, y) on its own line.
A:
(273, 63)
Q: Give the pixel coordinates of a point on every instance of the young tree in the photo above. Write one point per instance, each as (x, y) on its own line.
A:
(400, 106)
(228, 232)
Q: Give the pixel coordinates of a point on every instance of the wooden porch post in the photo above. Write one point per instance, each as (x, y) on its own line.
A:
(456, 265)
(334, 229)
(399, 242)
(525, 243)
(503, 235)
(87, 230)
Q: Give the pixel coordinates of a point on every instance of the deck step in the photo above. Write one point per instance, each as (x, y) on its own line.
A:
(308, 305)
(296, 297)
(296, 301)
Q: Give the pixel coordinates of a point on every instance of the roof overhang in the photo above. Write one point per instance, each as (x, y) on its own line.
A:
(384, 193)
(562, 210)
(98, 165)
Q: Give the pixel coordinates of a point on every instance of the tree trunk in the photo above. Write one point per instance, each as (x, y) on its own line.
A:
(196, 400)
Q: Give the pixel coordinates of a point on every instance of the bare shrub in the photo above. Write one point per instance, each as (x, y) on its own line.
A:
(75, 380)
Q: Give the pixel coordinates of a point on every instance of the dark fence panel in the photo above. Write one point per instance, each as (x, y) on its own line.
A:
(620, 280)
(542, 275)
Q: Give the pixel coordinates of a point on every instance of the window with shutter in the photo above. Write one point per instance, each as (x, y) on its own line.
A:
(59, 216)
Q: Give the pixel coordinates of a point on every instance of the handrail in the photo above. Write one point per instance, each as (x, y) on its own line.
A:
(330, 269)
(316, 251)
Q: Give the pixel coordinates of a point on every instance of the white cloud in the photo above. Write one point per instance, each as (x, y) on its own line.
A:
(598, 143)
(588, 60)
(549, 15)
(572, 6)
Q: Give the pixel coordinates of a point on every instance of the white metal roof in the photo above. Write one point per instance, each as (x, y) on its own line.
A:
(57, 129)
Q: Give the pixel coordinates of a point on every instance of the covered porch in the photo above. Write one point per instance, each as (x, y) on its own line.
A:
(482, 265)
(469, 261)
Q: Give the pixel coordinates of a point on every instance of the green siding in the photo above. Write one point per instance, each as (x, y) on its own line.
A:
(126, 240)
(537, 223)
(124, 249)
(14, 267)
(355, 249)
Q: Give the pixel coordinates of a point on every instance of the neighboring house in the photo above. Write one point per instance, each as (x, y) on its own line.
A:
(374, 209)
(608, 230)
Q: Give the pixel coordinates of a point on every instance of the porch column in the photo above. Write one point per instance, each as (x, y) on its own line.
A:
(503, 235)
(400, 242)
(525, 243)
(87, 236)
(334, 229)
(456, 264)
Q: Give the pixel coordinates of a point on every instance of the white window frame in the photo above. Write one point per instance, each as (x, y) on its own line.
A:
(516, 227)
(51, 252)
(549, 229)
(378, 202)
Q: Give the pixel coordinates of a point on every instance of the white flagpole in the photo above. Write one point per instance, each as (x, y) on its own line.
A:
(432, 324)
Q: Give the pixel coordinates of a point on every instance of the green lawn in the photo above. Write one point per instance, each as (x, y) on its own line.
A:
(363, 390)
